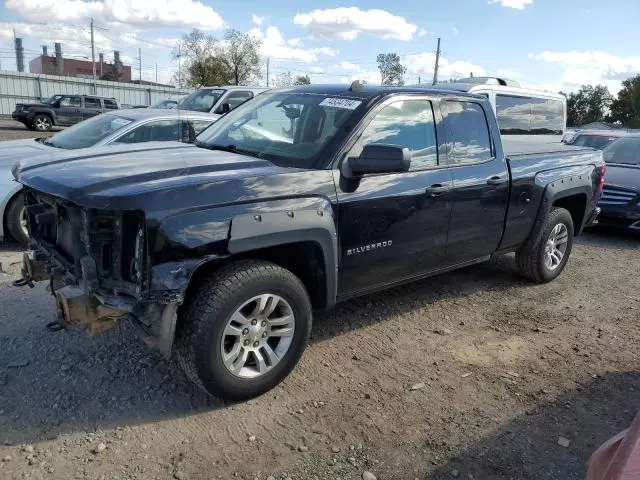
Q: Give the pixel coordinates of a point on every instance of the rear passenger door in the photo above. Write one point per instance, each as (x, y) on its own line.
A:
(480, 181)
(92, 107)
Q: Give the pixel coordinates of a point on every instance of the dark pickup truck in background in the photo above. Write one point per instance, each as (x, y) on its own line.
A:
(61, 111)
(294, 201)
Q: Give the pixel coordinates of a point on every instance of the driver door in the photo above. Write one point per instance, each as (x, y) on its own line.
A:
(394, 226)
(69, 111)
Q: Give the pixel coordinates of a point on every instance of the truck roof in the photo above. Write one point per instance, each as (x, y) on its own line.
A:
(369, 91)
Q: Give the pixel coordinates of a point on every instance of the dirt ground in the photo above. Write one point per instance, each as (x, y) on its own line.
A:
(503, 370)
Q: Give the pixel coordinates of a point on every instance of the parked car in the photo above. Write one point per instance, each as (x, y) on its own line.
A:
(123, 126)
(221, 250)
(620, 201)
(61, 110)
(219, 100)
(168, 104)
(597, 139)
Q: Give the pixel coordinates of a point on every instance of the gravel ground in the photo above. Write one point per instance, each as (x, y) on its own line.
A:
(12, 130)
(475, 374)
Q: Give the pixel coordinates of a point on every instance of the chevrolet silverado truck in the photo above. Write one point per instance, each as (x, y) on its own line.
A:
(221, 250)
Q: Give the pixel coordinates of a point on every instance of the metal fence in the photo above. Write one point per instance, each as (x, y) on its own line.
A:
(16, 87)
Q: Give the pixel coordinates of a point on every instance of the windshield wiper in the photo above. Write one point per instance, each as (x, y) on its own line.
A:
(228, 148)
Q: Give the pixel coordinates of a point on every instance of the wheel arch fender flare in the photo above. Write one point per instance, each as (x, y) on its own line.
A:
(313, 223)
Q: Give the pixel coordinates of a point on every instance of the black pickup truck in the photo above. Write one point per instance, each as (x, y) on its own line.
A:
(61, 111)
(220, 251)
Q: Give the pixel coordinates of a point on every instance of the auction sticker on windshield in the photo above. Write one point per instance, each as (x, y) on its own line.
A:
(343, 103)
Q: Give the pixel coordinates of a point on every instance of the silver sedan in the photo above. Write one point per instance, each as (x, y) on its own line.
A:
(113, 128)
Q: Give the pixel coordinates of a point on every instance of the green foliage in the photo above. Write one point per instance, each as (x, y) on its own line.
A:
(626, 107)
(587, 105)
(391, 70)
(209, 62)
(302, 80)
(112, 76)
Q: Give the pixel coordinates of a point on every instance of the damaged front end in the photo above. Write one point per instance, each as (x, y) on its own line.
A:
(95, 261)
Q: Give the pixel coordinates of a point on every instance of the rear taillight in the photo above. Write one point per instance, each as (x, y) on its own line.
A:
(603, 171)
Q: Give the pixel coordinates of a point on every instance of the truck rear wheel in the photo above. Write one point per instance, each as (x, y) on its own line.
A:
(244, 329)
(543, 258)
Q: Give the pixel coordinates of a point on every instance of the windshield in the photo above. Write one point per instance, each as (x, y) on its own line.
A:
(625, 150)
(594, 141)
(202, 100)
(53, 99)
(88, 133)
(289, 129)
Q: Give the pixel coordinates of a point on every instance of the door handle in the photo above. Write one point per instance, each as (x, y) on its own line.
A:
(497, 180)
(437, 189)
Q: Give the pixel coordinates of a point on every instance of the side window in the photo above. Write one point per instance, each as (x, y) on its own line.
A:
(237, 98)
(200, 125)
(408, 123)
(92, 103)
(110, 104)
(468, 131)
(158, 131)
(73, 102)
(529, 115)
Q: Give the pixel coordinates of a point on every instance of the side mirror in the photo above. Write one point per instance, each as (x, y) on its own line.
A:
(377, 158)
(223, 108)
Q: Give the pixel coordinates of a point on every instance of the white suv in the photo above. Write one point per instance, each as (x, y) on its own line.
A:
(219, 100)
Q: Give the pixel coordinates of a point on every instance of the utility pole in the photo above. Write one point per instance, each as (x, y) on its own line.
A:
(267, 72)
(437, 65)
(419, 78)
(156, 73)
(93, 61)
(140, 64)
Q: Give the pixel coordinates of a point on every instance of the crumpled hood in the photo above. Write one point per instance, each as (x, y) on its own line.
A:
(13, 150)
(112, 177)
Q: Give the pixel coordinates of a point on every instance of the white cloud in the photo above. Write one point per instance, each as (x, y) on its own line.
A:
(517, 4)
(274, 45)
(316, 69)
(295, 42)
(258, 20)
(345, 23)
(423, 63)
(141, 13)
(422, 32)
(348, 66)
(455, 31)
(591, 67)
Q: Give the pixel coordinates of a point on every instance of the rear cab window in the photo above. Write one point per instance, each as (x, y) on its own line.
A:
(467, 131)
(110, 104)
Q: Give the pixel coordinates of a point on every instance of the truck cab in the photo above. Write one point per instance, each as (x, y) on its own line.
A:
(219, 100)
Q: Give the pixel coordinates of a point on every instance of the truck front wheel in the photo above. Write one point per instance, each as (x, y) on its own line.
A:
(543, 257)
(244, 329)
(42, 123)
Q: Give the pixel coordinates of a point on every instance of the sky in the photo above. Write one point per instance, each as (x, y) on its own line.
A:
(546, 44)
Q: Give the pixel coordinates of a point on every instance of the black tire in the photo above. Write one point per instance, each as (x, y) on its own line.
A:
(42, 123)
(530, 258)
(13, 220)
(203, 318)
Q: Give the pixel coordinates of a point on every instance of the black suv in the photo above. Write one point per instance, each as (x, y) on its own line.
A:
(61, 110)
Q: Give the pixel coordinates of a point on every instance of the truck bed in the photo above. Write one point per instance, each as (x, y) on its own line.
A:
(520, 145)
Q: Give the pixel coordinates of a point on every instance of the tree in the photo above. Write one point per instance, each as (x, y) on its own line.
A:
(241, 53)
(283, 80)
(202, 65)
(587, 105)
(626, 108)
(302, 80)
(391, 70)
(112, 76)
